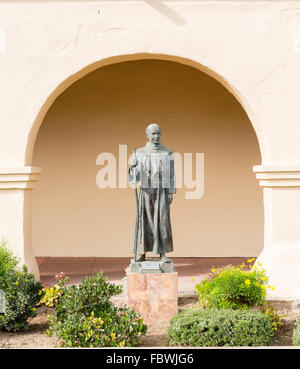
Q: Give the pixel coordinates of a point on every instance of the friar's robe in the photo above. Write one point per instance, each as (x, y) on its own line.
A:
(155, 171)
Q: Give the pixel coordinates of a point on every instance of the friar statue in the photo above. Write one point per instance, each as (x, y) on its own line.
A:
(153, 166)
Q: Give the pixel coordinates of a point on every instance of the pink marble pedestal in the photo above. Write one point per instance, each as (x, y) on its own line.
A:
(154, 296)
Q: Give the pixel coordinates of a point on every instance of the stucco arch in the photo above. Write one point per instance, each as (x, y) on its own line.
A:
(70, 79)
(109, 107)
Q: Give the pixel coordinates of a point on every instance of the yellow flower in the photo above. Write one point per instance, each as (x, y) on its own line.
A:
(263, 278)
(250, 260)
(214, 270)
(263, 287)
(192, 278)
(247, 282)
(122, 344)
(273, 288)
(17, 282)
(113, 335)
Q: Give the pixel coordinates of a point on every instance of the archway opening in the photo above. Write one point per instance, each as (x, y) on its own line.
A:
(111, 106)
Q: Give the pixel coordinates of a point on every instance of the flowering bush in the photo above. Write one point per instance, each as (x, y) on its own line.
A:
(233, 287)
(85, 317)
(111, 327)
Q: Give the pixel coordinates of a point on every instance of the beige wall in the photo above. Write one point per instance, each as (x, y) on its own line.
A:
(112, 106)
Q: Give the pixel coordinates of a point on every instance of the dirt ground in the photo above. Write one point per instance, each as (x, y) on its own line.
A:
(35, 337)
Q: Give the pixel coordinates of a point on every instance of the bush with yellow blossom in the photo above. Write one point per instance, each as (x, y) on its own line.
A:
(234, 287)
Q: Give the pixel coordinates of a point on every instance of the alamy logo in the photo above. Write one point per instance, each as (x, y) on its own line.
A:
(188, 167)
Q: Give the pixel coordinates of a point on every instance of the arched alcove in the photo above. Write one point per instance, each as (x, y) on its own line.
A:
(111, 106)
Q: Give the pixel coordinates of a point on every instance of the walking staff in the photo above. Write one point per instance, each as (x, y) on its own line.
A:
(137, 208)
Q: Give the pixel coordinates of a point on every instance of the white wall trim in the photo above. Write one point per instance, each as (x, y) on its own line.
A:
(12, 178)
(278, 175)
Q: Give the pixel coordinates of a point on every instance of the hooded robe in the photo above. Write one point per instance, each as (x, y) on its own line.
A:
(155, 171)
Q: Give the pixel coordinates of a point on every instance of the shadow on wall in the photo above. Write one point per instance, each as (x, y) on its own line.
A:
(112, 106)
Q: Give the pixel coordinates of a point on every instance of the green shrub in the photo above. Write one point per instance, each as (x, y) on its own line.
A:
(111, 327)
(7, 260)
(275, 319)
(51, 295)
(296, 333)
(213, 327)
(85, 317)
(22, 294)
(232, 287)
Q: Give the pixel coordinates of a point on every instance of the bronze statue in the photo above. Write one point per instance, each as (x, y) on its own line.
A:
(153, 166)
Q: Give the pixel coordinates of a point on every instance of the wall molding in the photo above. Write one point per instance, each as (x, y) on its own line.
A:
(15, 178)
(278, 175)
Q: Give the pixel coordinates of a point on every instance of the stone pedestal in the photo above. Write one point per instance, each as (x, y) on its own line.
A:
(154, 296)
(152, 265)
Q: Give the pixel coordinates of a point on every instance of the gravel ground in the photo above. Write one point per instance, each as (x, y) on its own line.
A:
(35, 337)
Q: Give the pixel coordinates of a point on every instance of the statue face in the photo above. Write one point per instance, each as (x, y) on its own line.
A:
(153, 135)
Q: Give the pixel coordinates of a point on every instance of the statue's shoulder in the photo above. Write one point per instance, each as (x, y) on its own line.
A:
(142, 150)
(166, 150)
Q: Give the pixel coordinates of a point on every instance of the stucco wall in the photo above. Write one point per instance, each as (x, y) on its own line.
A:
(251, 46)
(112, 106)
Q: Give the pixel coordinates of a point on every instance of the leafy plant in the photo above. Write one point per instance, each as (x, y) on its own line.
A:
(111, 327)
(296, 333)
(213, 327)
(275, 319)
(92, 294)
(85, 317)
(233, 287)
(22, 294)
(51, 295)
(7, 259)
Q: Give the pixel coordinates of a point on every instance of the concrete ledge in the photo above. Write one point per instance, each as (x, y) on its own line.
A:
(278, 175)
(12, 178)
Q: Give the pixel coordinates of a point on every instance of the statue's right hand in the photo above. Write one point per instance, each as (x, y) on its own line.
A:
(133, 163)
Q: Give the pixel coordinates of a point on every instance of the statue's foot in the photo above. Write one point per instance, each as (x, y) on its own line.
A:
(164, 259)
(140, 257)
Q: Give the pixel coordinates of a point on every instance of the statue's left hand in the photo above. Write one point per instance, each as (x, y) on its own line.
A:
(170, 198)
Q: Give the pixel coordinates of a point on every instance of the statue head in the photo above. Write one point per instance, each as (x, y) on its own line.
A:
(153, 133)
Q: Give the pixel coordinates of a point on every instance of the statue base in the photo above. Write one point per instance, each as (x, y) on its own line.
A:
(154, 296)
(152, 265)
